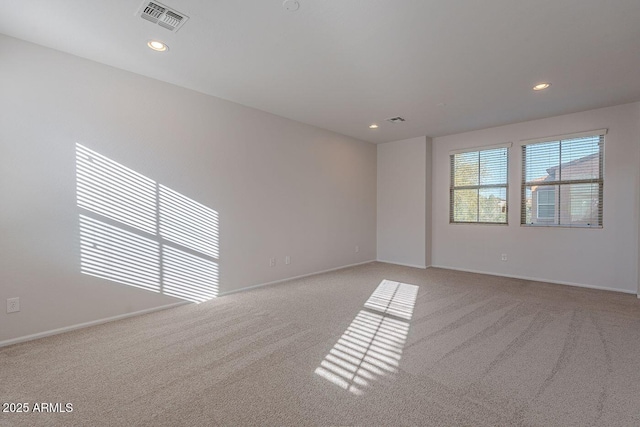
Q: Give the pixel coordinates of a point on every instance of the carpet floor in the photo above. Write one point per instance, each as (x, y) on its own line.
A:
(373, 345)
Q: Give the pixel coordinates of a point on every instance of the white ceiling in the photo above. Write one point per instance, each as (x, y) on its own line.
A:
(343, 64)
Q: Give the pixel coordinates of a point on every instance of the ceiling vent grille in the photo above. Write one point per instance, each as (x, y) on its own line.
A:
(395, 119)
(162, 15)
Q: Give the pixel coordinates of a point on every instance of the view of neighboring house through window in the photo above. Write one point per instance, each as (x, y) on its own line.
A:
(562, 181)
(546, 206)
(478, 191)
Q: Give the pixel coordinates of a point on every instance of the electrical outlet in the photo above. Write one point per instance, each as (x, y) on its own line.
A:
(357, 249)
(287, 260)
(272, 262)
(504, 257)
(13, 305)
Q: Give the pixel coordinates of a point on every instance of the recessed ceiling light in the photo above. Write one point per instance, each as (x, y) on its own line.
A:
(291, 5)
(541, 86)
(158, 46)
(373, 126)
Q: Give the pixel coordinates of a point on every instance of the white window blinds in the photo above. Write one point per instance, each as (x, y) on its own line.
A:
(479, 186)
(562, 181)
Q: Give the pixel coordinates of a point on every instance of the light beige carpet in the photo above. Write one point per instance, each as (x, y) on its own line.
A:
(477, 350)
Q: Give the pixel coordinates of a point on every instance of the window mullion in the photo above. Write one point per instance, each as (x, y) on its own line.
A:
(478, 190)
(559, 210)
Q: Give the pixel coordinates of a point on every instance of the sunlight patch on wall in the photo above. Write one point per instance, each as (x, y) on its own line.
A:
(140, 233)
(189, 277)
(115, 254)
(114, 191)
(188, 223)
(372, 345)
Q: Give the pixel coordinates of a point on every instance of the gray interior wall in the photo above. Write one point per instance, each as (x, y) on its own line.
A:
(604, 258)
(402, 203)
(280, 187)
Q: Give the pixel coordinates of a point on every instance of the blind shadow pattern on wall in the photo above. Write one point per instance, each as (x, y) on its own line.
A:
(140, 233)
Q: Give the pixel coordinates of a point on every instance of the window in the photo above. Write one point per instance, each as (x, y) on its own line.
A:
(562, 181)
(478, 191)
(546, 203)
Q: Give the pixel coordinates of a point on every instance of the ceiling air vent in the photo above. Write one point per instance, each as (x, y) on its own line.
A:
(162, 15)
(395, 119)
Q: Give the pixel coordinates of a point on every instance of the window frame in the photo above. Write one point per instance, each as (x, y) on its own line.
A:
(479, 187)
(560, 183)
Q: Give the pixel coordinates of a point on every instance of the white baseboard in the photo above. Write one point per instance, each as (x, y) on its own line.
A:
(247, 288)
(537, 279)
(87, 324)
(150, 310)
(403, 264)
